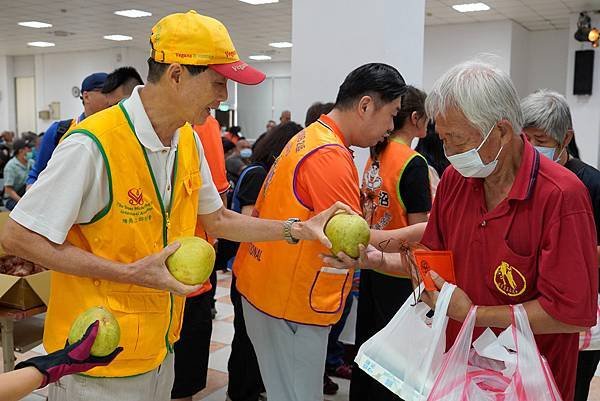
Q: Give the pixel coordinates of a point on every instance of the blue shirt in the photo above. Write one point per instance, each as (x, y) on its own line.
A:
(49, 141)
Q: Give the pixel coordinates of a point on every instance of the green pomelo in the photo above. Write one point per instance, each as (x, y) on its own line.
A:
(109, 332)
(193, 262)
(346, 232)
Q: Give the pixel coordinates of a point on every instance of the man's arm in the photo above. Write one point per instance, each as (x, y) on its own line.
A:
(390, 240)
(66, 258)
(11, 193)
(500, 316)
(240, 228)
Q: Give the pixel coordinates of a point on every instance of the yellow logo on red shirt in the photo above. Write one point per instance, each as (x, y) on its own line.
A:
(509, 281)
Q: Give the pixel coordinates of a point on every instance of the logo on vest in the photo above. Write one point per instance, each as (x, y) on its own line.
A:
(136, 197)
(509, 281)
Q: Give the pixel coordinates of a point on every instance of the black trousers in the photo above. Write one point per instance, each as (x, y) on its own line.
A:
(245, 382)
(380, 297)
(193, 347)
(586, 367)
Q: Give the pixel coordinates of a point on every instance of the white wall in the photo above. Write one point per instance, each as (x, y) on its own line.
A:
(585, 110)
(57, 73)
(519, 58)
(547, 63)
(7, 114)
(258, 104)
(448, 45)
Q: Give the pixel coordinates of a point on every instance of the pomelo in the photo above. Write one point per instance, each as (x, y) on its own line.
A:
(109, 332)
(193, 262)
(346, 232)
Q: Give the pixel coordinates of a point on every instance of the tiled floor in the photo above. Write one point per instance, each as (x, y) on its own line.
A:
(221, 346)
(222, 336)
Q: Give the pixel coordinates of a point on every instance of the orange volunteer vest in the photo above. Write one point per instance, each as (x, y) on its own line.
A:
(133, 225)
(381, 200)
(289, 281)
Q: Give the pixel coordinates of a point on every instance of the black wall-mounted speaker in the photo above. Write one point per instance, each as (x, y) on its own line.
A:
(584, 72)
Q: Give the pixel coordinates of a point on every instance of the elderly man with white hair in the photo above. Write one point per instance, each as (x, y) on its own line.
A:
(521, 229)
(548, 126)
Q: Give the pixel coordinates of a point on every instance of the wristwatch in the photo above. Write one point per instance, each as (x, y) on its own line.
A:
(287, 230)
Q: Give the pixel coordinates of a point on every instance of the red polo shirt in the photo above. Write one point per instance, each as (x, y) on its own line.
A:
(538, 243)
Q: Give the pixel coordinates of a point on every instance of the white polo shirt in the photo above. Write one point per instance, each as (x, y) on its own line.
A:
(74, 186)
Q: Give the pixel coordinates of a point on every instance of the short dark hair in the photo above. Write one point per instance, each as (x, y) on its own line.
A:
(156, 69)
(412, 101)
(432, 149)
(269, 148)
(379, 80)
(122, 76)
(315, 110)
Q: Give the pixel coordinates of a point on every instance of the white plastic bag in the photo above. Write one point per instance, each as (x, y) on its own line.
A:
(407, 353)
(589, 340)
(467, 376)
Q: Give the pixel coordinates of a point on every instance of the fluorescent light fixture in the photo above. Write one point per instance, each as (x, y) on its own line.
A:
(471, 7)
(256, 2)
(260, 57)
(41, 44)
(280, 45)
(133, 13)
(35, 24)
(118, 38)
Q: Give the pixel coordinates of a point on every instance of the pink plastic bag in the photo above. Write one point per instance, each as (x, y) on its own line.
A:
(464, 376)
(589, 340)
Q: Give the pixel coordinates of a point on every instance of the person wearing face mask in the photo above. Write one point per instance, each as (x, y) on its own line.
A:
(15, 172)
(521, 228)
(239, 159)
(548, 126)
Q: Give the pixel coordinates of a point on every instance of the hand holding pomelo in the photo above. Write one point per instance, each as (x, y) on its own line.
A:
(193, 262)
(346, 232)
(109, 332)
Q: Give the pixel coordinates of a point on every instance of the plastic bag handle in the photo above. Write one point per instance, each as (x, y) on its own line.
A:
(520, 324)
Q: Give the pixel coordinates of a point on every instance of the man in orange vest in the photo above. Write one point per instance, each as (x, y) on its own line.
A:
(290, 298)
(134, 178)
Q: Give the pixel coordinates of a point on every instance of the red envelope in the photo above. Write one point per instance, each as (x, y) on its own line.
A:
(440, 262)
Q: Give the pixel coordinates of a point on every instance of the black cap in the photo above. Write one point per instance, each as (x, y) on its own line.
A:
(20, 144)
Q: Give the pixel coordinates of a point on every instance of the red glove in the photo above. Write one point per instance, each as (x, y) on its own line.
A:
(74, 358)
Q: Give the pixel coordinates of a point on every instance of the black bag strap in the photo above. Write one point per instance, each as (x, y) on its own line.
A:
(63, 127)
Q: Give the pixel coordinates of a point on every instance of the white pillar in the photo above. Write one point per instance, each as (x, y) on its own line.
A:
(7, 99)
(333, 37)
(585, 110)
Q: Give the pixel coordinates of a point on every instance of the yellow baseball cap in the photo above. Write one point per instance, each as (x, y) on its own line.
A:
(194, 39)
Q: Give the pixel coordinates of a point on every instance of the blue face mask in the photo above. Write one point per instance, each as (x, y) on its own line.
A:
(29, 155)
(246, 153)
(549, 152)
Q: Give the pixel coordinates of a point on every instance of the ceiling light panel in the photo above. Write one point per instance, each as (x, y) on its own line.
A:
(471, 7)
(117, 38)
(280, 45)
(35, 24)
(133, 13)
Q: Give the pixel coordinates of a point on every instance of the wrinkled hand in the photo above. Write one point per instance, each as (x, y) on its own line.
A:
(460, 303)
(313, 229)
(74, 358)
(152, 272)
(369, 258)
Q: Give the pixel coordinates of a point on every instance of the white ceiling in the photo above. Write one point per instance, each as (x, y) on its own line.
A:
(251, 27)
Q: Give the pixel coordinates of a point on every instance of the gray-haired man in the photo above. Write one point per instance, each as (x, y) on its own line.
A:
(548, 125)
